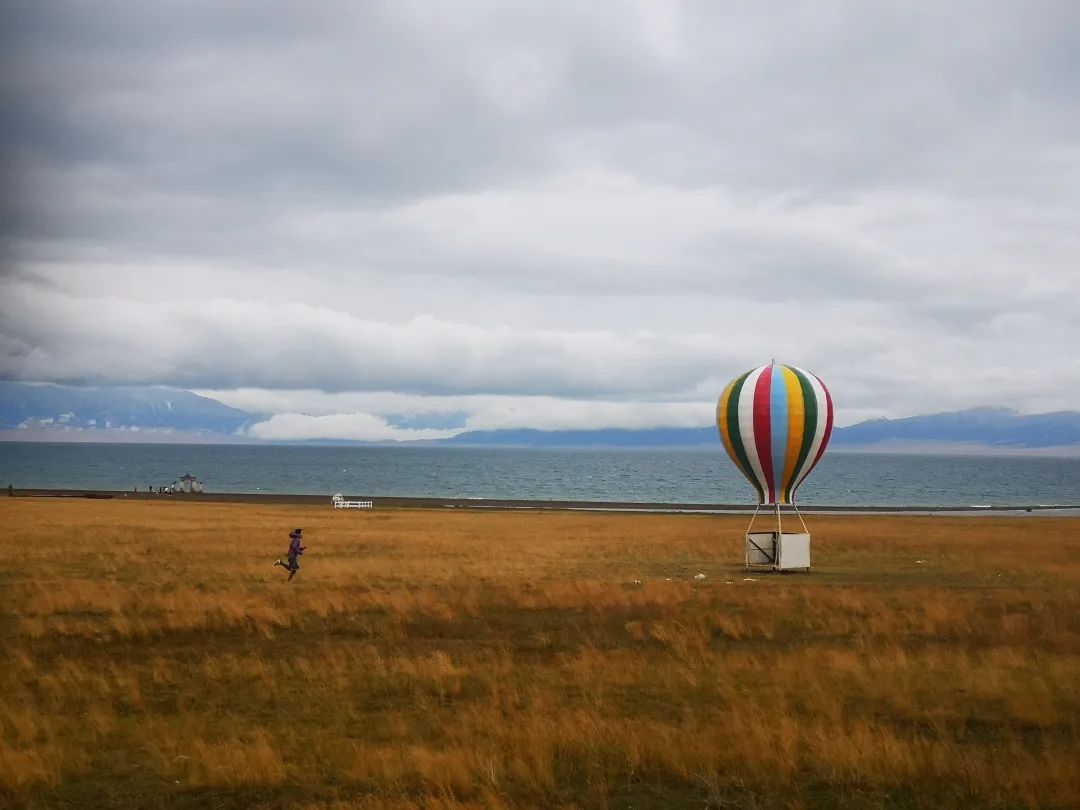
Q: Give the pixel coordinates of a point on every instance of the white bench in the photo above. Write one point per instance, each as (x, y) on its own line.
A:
(339, 502)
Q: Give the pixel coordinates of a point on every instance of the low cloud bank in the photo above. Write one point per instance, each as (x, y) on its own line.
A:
(484, 413)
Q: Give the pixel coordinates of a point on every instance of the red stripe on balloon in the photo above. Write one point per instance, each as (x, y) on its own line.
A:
(828, 425)
(763, 427)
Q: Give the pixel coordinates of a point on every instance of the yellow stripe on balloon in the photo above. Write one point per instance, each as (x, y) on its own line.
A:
(796, 425)
(722, 420)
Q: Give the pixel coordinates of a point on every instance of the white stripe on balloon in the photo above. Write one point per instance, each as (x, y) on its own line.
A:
(746, 428)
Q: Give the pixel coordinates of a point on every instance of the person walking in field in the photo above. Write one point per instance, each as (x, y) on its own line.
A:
(296, 548)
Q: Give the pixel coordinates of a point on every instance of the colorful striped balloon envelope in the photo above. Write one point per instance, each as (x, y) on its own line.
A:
(775, 422)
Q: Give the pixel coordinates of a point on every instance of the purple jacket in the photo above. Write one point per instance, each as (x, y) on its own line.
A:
(295, 549)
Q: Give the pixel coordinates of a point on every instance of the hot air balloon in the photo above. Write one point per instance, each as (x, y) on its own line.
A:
(775, 422)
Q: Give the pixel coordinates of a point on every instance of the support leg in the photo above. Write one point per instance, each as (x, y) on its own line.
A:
(803, 522)
(756, 509)
(746, 559)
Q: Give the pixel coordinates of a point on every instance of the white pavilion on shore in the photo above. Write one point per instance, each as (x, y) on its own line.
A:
(189, 483)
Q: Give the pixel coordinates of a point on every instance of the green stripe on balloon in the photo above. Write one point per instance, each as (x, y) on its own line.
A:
(810, 419)
(735, 434)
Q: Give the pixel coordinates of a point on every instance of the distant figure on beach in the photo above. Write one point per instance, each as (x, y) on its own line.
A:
(10, 490)
(296, 548)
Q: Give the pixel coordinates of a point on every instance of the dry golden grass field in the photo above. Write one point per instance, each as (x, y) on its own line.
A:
(153, 657)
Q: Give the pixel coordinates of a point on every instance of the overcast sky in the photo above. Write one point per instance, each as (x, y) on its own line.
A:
(371, 219)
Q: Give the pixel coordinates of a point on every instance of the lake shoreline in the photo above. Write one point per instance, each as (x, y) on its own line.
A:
(410, 502)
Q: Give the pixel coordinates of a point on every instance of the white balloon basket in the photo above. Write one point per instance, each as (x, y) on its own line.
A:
(777, 550)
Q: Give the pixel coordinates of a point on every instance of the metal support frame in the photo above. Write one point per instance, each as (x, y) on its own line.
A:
(769, 554)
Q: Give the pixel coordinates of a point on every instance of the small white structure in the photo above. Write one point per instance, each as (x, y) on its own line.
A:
(188, 483)
(339, 502)
(777, 551)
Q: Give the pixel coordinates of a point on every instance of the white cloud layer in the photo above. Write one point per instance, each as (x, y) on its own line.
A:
(355, 426)
(308, 414)
(562, 215)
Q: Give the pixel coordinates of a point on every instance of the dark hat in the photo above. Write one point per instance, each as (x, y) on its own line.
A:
(295, 532)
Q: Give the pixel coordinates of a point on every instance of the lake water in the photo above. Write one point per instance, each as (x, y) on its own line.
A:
(667, 476)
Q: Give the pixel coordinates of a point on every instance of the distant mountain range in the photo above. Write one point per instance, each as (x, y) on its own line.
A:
(986, 428)
(44, 409)
(56, 412)
(602, 437)
(992, 427)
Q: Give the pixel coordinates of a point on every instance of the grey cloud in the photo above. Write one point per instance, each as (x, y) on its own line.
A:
(873, 362)
(225, 100)
(228, 343)
(360, 101)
